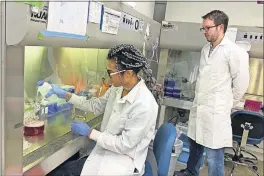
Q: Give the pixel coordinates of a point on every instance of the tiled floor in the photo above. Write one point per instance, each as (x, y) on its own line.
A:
(239, 170)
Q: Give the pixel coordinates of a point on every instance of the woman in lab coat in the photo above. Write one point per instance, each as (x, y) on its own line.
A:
(130, 111)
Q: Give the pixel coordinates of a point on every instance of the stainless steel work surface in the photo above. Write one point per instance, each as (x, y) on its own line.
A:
(56, 135)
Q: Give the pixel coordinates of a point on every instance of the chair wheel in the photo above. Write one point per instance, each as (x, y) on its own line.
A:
(255, 168)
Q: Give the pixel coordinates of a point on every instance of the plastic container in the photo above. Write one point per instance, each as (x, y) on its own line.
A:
(172, 87)
(171, 83)
(177, 149)
(169, 89)
(182, 127)
(44, 89)
(168, 94)
(184, 156)
(55, 109)
(252, 105)
(176, 95)
(176, 90)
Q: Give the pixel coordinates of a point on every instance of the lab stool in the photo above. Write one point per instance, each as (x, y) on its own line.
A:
(247, 129)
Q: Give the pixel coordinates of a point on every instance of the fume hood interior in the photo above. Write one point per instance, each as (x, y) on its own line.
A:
(82, 69)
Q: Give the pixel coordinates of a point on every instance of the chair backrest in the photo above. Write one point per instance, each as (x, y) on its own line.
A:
(162, 147)
(255, 119)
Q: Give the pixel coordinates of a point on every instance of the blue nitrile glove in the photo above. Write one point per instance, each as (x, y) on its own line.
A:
(80, 128)
(40, 83)
(57, 91)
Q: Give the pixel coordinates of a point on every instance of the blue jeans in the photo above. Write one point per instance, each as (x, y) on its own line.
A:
(215, 160)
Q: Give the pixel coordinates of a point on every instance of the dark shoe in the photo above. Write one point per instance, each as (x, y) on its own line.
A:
(182, 172)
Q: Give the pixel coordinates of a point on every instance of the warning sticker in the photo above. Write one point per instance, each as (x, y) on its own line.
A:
(41, 16)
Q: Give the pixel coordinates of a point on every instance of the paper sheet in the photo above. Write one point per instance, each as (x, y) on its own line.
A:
(231, 33)
(111, 21)
(68, 17)
(95, 9)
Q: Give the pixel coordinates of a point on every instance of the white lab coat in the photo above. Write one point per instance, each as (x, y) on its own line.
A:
(222, 81)
(126, 131)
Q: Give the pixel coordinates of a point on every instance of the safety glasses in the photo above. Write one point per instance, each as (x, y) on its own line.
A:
(206, 29)
(114, 73)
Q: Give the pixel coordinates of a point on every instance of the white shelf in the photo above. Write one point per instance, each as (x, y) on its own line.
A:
(183, 104)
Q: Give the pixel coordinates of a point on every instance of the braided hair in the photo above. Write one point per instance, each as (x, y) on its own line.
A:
(129, 57)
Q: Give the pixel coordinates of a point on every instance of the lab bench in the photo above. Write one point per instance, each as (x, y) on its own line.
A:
(172, 102)
(186, 105)
(56, 144)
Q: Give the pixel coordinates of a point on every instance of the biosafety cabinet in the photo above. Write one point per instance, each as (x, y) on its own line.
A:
(180, 47)
(29, 53)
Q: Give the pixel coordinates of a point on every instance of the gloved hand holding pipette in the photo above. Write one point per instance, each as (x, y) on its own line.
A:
(54, 90)
(79, 128)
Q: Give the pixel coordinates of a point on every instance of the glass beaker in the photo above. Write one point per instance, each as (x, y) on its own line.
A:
(34, 123)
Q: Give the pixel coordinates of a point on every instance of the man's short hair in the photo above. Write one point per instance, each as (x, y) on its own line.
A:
(219, 17)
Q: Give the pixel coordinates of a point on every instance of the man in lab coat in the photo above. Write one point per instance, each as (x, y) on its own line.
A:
(222, 81)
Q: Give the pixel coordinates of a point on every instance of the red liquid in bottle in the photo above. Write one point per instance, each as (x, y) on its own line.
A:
(33, 127)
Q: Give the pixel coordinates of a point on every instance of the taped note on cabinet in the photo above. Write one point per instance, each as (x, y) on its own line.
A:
(68, 17)
(110, 20)
(95, 9)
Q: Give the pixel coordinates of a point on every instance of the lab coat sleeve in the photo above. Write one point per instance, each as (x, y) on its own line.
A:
(136, 128)
(94, 105)
(239, 69)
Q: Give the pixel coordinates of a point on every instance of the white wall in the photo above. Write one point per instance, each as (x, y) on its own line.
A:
(146, 8)
(240, 13)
